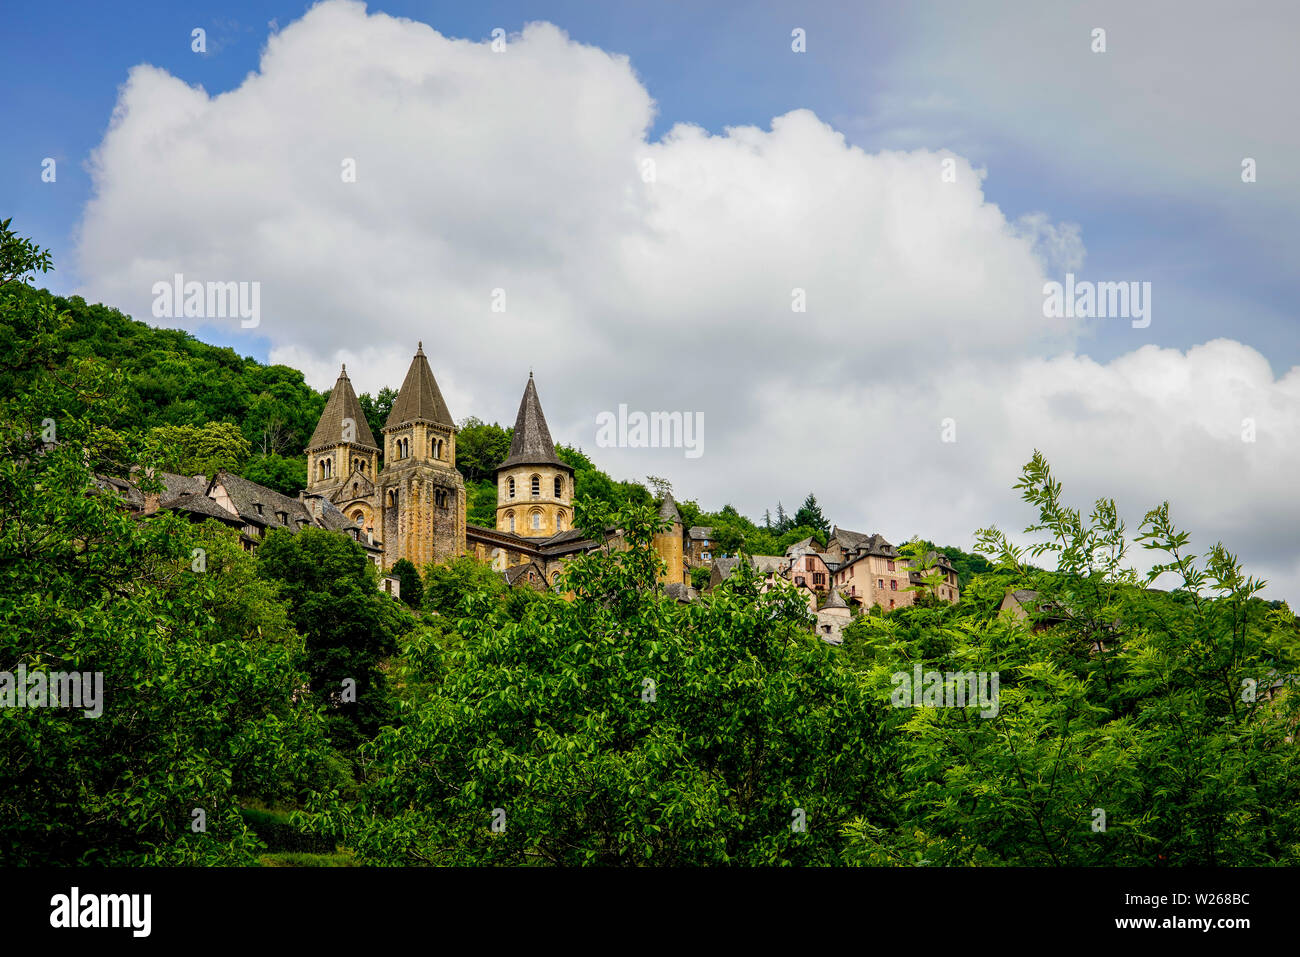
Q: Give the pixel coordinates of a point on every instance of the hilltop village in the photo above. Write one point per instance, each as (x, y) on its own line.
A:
(414, 508)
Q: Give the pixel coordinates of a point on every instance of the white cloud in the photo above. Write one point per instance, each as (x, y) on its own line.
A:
(523, 171)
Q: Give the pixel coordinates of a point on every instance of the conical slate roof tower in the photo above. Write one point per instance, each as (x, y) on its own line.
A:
(341, 406)
(419, 399)
(531, 443)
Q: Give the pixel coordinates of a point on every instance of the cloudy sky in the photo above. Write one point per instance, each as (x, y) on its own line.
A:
(649, 189)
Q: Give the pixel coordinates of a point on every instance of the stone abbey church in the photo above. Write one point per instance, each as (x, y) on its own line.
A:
(414, 506)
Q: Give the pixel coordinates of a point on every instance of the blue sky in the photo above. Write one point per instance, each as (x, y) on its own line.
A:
(714, 65)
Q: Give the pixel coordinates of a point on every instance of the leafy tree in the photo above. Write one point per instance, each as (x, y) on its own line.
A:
(349, 625)
(480, 448)
(196, 658)
(623, 728)
(408, 577)
(446, 586)
(1130, 728)
(288, 476)
(199, 449)
(376, 410)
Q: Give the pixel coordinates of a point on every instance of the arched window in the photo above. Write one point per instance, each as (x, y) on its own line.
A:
(510, 482)
(510, 518)
(537, 486)
(537, 519)
(358, 516)
(392, 497)
(559, 522)
(559, 487)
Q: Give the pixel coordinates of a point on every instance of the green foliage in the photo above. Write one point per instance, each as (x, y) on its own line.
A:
(288, 476)
(376, 410)
(447, 587)
(408, 577)
(331, 588)
(1169, 713)
(550, 718)
(810, 516)
(198, 662)
(593, 486)
(198, 449)
(481, 503)
(700, 577)
(480, 448)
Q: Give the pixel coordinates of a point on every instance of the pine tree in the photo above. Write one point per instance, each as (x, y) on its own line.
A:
(810, 515)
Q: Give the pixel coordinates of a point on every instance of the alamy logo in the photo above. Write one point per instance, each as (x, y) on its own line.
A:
(179, 299)
(53, 689)
(102, 910)
(947, 689)
(654, 430)
(1098, 300)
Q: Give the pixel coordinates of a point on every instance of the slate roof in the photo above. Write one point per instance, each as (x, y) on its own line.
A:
(342, 404)
(769, 564)
(835, 600)
(245, 496)
(682, 592)
(701, 533)
(857, 544)
(531, 442)
(668, 509)
(419, 397)
(199, 504)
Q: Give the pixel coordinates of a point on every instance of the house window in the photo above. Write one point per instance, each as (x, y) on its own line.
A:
(893, 584)
(890, 565)
(891, 603)
(798, 580)
(808, 565)
(705, 556)
(819, 578)
(880, 583)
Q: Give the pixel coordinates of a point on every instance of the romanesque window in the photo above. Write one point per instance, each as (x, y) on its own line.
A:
(392, 497)
(559, 487)
(325, 468)
(510, 518)
(537, 519)
(510, 483)
(537, 486)
(559, 522)
(435, 447)
(358, 516)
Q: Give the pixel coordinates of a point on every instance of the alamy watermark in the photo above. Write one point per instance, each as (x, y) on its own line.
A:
(947, 689)
(179, 299)
(53, 689)
(653, 430)
(1098, 300)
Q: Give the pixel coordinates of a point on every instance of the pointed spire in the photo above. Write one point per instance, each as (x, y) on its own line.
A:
(531, 443)
(342, 405)
(668, 509)
(419, 397)
(835, 600)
